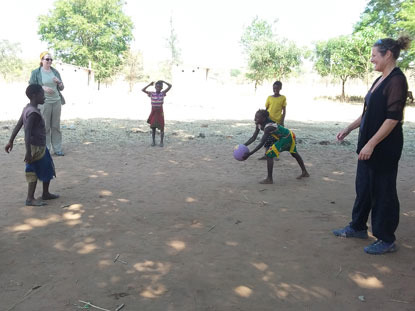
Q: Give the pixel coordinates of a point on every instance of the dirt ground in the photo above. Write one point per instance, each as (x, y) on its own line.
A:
(192, 228)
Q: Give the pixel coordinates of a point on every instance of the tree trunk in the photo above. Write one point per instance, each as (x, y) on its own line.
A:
(343, 97)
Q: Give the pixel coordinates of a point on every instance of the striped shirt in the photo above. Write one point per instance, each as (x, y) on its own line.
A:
(157, 99)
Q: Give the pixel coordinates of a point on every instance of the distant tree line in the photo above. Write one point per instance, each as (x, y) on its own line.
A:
(84, 32)
(343, 57)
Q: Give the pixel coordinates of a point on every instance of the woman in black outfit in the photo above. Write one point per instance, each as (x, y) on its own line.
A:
(379, 148)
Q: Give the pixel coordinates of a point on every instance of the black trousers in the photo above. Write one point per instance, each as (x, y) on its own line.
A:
(376, 192)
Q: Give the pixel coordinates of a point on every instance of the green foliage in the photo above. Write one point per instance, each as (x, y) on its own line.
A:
(80, 31)
(363, 42)
(407, 17)
(272, 60)
(257, 32)
(407, 22)
(235, 72)
(390, 18)
(133, 68)
(11, 65)
(345, 57)
(268, 57)
(381, 15)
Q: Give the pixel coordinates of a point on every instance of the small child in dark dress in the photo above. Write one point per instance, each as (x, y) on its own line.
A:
(39, 163)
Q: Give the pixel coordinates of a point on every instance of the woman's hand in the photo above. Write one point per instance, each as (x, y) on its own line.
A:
(48, 90)
(342, 134)
(56, 80)
(366, 152)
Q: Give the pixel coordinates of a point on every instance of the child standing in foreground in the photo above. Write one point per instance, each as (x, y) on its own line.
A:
(156, 118)
(276, 139)
(276, 106)
(39, 163)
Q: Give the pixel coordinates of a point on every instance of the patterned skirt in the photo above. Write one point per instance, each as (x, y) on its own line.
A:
(286, 143)
(41, 167)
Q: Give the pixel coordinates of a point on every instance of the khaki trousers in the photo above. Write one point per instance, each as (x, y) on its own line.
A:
(51, 112)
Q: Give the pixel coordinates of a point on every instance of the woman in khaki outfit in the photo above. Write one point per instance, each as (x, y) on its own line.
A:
(50, 79)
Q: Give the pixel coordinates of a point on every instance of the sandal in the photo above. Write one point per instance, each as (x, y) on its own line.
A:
(51, 196)
(35, 203)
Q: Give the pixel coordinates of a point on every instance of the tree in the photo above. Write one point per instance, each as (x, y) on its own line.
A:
(268, 57)
(390, 18)
(345, 57)
(407, 16)
(10, 64)
(407, 22)
(259, 31)
(172, 44)
(363, 42)
(381, 15)
(133, 68)
(80, 31)
(272, 60)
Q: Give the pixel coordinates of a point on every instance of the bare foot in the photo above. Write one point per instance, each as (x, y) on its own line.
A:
(35, 202)
(266, 181)
(161, 144)
(49, 196)
(153, 144)
(305, 174)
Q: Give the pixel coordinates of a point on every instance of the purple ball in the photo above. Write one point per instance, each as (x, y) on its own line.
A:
(239, 151)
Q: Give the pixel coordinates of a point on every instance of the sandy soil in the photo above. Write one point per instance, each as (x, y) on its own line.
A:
(192, 227)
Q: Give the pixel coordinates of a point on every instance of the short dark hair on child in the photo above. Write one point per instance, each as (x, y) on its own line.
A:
(159, 82)
(32, 90)
(277, 83)
(263, 113)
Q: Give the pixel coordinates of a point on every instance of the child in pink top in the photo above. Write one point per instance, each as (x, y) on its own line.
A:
(156, 118)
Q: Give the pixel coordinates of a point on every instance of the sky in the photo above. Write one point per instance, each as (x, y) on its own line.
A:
(208, 31)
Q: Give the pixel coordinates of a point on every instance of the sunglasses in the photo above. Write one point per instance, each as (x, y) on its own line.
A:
(48, 59)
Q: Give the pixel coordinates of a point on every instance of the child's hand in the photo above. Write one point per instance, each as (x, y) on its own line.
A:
(152, 83)
(9, 147)
(28, 157)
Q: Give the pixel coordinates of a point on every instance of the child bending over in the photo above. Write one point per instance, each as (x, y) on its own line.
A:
(276, 139)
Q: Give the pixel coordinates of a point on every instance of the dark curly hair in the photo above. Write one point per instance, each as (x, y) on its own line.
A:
(277, 83)
(264, 113)
(33, 89)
